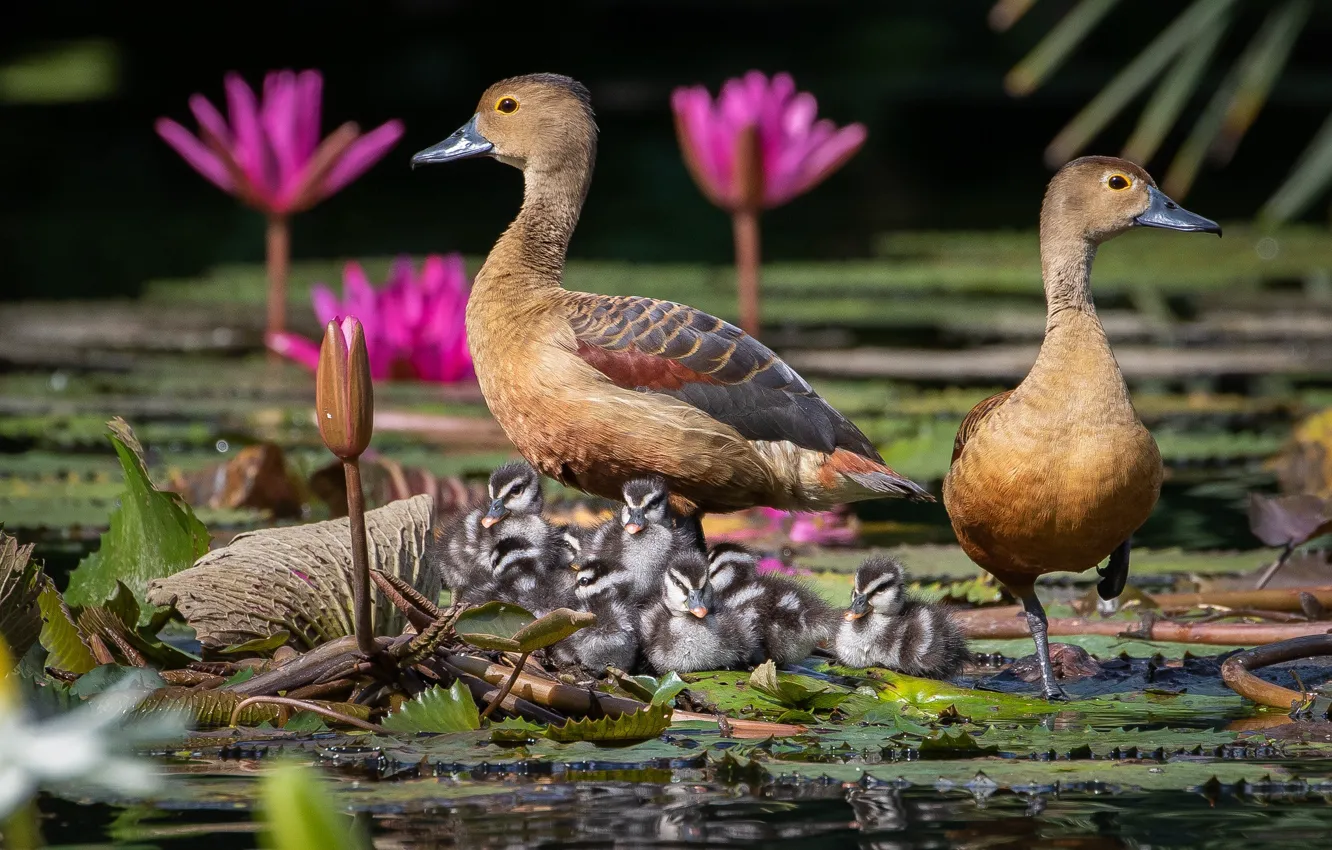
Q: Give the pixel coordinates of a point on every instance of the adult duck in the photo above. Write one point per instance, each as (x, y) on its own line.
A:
(1059, 472)
(596, 390)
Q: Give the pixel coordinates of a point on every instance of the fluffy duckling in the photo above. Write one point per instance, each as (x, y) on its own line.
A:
(644, 537)
(789, 617)
(601, 588)
(685, 632)
(887, 628)
(528, 566)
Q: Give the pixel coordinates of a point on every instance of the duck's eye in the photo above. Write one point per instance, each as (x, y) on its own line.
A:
(1117, 182)
(506, 105)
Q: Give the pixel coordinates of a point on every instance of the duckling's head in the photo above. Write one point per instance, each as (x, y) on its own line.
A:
(685, 587)
(514, 489)
(646, 502)
(877, 588)
(599, 577)
(1099, 197)
(538, 122)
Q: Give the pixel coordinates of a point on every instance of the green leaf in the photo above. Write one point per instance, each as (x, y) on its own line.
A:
(942, 745)
(262, 646)
(552, 628)
(515, 730)
(493, 625)
(113, 677)
(62, 639)
(21, 582)
(667, 689)
(153, 534)
(436, 710)
(298, 813)
(793, 690)
(305, 721)
(641, 725)
(244, 674)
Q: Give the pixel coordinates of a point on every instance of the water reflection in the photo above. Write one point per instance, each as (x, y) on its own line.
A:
(508, 813)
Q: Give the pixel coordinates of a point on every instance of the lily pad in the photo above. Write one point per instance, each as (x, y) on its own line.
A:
(510, 628)
(153, 534)
(795, 691)
(515, 730)
(436, 710)
(641, 725)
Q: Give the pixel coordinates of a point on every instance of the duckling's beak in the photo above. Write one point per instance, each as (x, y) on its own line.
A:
(1163, 212)
(496, 513)
(696, 606)
(636, 521)
(467, 142)
(859, 607)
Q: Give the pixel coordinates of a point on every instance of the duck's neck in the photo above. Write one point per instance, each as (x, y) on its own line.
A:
(531, 252)
(1066, 261)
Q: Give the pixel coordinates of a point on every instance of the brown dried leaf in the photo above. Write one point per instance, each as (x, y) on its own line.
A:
(21, 582)
(299, 578)
(257, 477)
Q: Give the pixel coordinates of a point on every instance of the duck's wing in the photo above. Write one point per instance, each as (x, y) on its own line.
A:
(663, 347)
(974, 419)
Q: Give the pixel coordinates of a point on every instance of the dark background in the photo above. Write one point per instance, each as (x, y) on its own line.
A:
(92, 202)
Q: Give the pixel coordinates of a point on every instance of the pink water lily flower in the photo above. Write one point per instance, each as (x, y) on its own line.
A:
(270, 155)
(413, 325)
(756, 147)
(795, 151)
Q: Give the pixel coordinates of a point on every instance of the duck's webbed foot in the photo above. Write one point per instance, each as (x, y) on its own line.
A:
(1037, 623)
(1115, 574)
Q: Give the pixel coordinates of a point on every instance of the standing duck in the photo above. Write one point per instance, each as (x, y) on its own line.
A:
(884, 627)
(596, 390)
(1059, 472)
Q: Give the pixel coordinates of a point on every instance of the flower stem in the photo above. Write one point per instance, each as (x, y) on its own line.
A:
(365, 639)
(508, 686)
(278, 259)
(745, 224)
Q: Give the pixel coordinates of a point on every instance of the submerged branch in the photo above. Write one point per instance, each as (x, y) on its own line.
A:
(302, 705)
(1236, 672)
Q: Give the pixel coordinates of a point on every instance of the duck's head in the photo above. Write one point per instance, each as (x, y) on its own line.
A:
(685, 587)
(1099, 197)
(597, 577)
(514, 489)
(877, 588)
(538, 122)
(646, 502)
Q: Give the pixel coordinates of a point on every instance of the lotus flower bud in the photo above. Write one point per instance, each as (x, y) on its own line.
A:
(344, 395)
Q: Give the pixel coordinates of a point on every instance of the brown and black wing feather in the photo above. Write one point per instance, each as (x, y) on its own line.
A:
(661, 347)
(974, 419)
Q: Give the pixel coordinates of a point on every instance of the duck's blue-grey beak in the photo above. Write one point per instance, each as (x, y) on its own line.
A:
(465, 143)
(637, 521)
(859, 607)
(497, 512)
(1163, 212)
(694, 602)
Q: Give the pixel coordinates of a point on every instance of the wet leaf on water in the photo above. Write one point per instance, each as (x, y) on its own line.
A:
(1289, 520)
(153, 534)
(21, 582)
(259, 646)
(943, 745)
(641, 725)
(796, 691)
(299, 578)
(515, 730)
(641, 687)
(436, 710)
(114, 677)
(65, 646)
(306, 722)
(298, 812)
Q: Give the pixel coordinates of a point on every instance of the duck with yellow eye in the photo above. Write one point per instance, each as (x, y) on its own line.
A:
(1058, 473)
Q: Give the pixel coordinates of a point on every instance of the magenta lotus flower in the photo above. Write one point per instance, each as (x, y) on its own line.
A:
(757, 147)
(271, 158)
(795, 151)
(413, 325)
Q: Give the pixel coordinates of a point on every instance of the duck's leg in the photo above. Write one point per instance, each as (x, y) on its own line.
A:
(1115, 574)
(1037, 623)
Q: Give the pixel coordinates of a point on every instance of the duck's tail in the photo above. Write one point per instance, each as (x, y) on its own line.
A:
(862, 478)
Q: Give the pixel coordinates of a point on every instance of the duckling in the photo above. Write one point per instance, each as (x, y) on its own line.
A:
(1058, 473)
(515, 488)
(887, 628)
(602, 588)
(528, 567)
(684, 632)
(790, 617)
(645, 537)
(597, 390)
